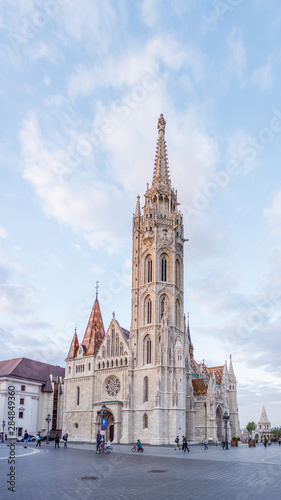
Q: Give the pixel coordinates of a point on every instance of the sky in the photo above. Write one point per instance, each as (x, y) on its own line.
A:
(82, 87)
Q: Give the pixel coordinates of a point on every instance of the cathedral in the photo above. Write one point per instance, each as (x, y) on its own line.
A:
(146, 382)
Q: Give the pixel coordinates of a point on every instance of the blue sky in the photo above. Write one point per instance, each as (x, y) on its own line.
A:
(82, 86)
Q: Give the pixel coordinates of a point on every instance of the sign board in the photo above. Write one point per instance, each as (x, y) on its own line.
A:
(103, 421)
(102, 433)
(103, 427)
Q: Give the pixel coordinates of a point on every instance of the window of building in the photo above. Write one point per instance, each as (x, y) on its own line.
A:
(163, 306)
(145, 389)
(78, 395)
(19, 431)
(21, 401)
(121, 349)
(76, 425)
(89, 366)
(177, 313)
(147, 350)
(108, 347)
(20, 414)
(148, 311)
(69, 369)
(22, 387)
(112, 341)
(178, 280)
(164, 268)
(117, 345)
(103, 352)
(145, 421)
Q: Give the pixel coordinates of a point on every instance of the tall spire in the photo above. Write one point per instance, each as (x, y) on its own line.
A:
(161, 176)
(138, 208)
(74, 346)
(95, 330)
(189, 338)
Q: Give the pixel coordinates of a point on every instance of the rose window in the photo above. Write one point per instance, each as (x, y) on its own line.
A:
(112, 386)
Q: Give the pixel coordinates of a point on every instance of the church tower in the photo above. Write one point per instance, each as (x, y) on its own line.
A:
(157, 334)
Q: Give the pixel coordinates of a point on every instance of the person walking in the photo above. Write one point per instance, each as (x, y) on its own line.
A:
(65, 440)
(177, 443)
(25, 437)
(57, 440)
(184, 444)
(38, 439)
(205, 443)
(98, 441)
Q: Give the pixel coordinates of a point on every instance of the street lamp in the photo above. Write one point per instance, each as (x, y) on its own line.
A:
(3, 425)
(48, 419)
(226, 419)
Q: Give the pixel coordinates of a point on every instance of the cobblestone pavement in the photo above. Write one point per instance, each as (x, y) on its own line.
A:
(159, 473)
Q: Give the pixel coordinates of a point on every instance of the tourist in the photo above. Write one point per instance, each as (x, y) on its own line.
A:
(38, 439)
(177, 441)
(205, 443)
(184, 444)
(25, 438)
(57, 440)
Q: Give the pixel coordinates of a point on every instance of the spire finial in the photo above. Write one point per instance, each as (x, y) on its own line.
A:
(97, 289)
(161, 124)
(113, 314)
(75, 329)
(161, 177)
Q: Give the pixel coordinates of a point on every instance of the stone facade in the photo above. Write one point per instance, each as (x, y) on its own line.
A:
(148, 378)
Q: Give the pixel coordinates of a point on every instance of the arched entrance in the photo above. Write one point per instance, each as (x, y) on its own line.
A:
(109, 433)
(219, 423)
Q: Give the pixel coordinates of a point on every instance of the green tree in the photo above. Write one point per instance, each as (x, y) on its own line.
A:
(251, 426)
(276, 432)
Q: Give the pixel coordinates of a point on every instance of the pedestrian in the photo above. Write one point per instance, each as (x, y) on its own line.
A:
(57, 440)
(98, 441)
(205, 443)
(25, 438)
(65, 440)
(184, 444)
(177, 443)
(38, 439)
(102, 448)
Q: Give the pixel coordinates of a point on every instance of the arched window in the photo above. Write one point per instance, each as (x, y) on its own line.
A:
(145, 421)
(177, 272)
(103, 352)
(112, 341)
(117, 346)
(121, 361)
(69, 369)
(149, 269)
(148, 311)
(164, 268)
(116, 362)
(163, 306)
(177, 313)
(112, 363)
(121, 349)
(78, 395)
(147, 350)
(103, 365)
(108, 347)
(107, 364)
(145, 389)
(99, 366)
(125, 361)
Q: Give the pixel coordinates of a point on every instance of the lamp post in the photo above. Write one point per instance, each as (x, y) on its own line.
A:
(226, 419)
(3, 425)
(48, 419)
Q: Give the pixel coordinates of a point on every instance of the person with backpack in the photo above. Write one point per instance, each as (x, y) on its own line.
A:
(177, 443)
(38, 439)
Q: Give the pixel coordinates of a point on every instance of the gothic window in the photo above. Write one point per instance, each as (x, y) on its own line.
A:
(148, 269)
(121, 349)
(117, 345)
(99, 366)
(112, 341)
(116, 362)
(147, 350)
(148, 311)
(163, 306)
(108, 347)
(112, 386)
(78, 395)
(125, 361)
(164, 268)
(121, 362)
(103, 352)
(103, 365)
(112, 363)
(107, 364)
(178, 280)
(177, 313)
(69, 369)
(145, 389)
(145, 421)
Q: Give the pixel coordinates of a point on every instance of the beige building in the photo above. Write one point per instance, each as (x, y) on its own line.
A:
(147, 378)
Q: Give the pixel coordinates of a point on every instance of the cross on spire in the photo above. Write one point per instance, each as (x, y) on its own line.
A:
(97, 289)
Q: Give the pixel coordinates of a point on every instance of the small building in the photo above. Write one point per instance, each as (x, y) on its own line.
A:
(263, 429)
(38, 389)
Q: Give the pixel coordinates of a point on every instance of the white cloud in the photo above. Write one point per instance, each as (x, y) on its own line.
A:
(150, 11)
(262, 77)
(273, 214)
(236, 61)
(3, 232)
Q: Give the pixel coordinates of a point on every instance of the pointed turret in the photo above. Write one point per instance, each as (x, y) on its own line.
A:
(231, 373)
(161, 176)
(189, 338)
(264, 418)
(138, 208)
(94, 333)
(74, 346)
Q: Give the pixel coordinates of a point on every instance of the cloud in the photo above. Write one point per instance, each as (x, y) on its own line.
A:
(3, 232)
(236, 61)
(262, 77)
(273, 214)
(16, 299)
(150, 11)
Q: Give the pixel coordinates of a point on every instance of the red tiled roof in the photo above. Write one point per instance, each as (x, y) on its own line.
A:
(199, 387)
(205, 370)
(74, 346)
(94, 333)
(218, 371)
(194, 366)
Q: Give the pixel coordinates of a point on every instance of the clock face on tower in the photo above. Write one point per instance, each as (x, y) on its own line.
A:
(112, 386)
